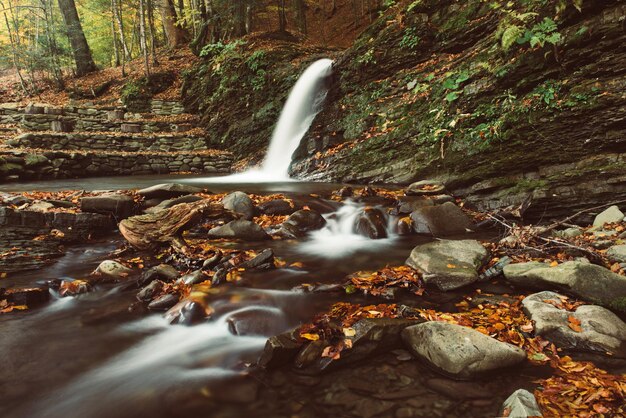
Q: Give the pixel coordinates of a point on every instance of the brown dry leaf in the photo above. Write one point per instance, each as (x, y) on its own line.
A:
(574, 323)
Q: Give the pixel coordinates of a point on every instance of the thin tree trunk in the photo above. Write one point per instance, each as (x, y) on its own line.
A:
(117, 12)
(52, 43)
(80, 48)
(152, 31)
(282, 17)
(16, 62)
(142, 36)
(116, 52)
(300, 12)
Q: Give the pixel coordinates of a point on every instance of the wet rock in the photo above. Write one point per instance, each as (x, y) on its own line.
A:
(168, 191)
(405, 226)
(425, 187)
(280, 349)
(449, 264)
(302, 222)
(601, 331)
(212, 261)
(238, 390)
(18, 200)
(113, 270)
(163, 272)
(257, 321)
(32, 296)
(239, 229)
(371, 223)
(408, 204)
(495, 270)
(569, 233)
(440, 199)
(192, 278)
(185, 312)
(458, 389)
(583, 279)
(264, 259)
(458, 351)
(521, 404)
(119, 205)
(277, 207)
(73, 287)
(147, 293)
(371, 336)
(166, 204)
(610, 215)
(240, 203)
(163, 303)
(442, 220)
(321, 206)
(617, 253)
(220, 276)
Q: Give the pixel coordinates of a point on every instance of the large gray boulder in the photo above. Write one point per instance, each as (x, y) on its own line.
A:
(239, 229)
(458, 351)
(521, 404)
(449, 264)
(241, 203)
(610, 215)
(302, 222)
(601, 331)
(168, 191)
(583, 279)
(120, 206)
(441, 220)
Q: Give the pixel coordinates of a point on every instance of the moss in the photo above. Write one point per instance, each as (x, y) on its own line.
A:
(618, 304)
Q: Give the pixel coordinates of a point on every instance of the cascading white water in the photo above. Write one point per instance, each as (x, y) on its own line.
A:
(339, 237)
(303, 104)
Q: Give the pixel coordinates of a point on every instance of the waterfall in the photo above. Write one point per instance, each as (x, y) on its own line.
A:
(303, 104)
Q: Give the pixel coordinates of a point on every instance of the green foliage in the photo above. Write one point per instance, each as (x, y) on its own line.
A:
(541, 33)
(220, 48)
(410, 40)
(453, 83)
(133, 90)
(413, 5)
(367, 58)
(547, 92)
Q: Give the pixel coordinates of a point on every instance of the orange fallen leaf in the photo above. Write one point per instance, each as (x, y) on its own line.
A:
(574, 323)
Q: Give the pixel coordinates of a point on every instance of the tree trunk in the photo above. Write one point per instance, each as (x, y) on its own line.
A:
(116, 52)
(176, 35)
(117, 14)
(282, 17)
(239, 18)
(300, 11)
(152, 32)
(80, 48)
(142, 36)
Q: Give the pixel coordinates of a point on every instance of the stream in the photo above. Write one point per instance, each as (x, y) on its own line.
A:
(89, 356)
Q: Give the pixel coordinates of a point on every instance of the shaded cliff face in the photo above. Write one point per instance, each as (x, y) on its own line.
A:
(501, 100)
(499, 103)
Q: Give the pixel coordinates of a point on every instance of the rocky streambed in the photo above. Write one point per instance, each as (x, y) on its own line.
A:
(306, 300)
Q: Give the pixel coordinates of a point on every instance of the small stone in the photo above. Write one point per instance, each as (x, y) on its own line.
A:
(239, 229)
(163, 272)
(147, 293)
(302, 222)
(241, 203)
(113, 270)
(163, 303)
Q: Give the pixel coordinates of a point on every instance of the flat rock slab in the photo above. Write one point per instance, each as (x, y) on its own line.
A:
(587, 281)
(119, 205)
(458, 351)
(441, 220)
(449, 264)
(168, 190)
(601, 331)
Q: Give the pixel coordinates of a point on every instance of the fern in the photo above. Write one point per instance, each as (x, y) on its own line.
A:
(510, 35)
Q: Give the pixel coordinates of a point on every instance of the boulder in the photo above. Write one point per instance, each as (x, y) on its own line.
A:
(371, 223)
(601, 331)
(521, 404)
(408, 204)
(147, 293)
(448, 264)
(192, 278)
(163, 303)
(617, 253)
(185, 312)
(610, 215)
(239, 229)
(120, 206)
(425, 187)
(168, 191)
(277, 207)
(581, 278)
(113, 270)
(458, 351)
(302, 222)
(441, 220)
(240, 203)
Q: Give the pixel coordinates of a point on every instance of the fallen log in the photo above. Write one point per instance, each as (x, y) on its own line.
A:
(146, 232)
